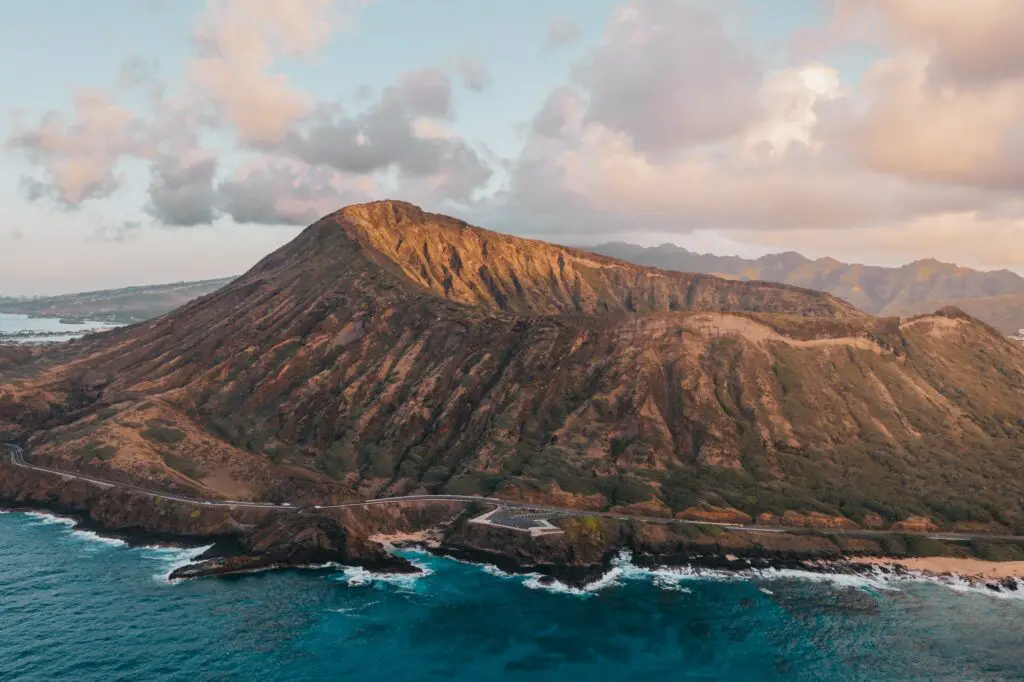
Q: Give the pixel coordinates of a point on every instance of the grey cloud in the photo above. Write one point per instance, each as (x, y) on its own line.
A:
(138, 71)
(384, 136)
(51, 190)
(426, 92)
(559, 111)
(475, 75)
(561, 32)
(280, 195)
(668, 75)
(182, 194)
(114, 233)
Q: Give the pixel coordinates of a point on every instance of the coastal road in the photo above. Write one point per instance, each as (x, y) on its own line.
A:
(17, 458)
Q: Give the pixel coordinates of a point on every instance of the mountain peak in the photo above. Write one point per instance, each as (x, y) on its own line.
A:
(473, 266)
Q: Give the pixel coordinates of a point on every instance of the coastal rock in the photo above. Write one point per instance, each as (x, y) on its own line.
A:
(297, 541)
(587, 546)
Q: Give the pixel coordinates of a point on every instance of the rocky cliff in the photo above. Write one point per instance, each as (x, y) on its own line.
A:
(388, 351)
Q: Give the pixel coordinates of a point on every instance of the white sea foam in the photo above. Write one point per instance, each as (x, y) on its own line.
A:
(354, 609)
(172, 558)
(622, 568)
(533, 581)
(47, 519)
(90, 536)
(875, 581)
(491, 569)
(356, 576)
(964, 586)
(673, 579)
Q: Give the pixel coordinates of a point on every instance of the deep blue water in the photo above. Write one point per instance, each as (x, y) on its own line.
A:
(73, 607)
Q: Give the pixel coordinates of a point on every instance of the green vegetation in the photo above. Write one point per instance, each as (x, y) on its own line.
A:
(997, 551)
(473, 484)
(163, 435)
(710, 531)
(338, 459)
(183, 465)
(107, 412)
(93, 451)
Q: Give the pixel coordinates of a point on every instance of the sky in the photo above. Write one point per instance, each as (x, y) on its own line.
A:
(149, 141)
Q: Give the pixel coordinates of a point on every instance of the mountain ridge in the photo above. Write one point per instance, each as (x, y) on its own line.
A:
(343, 366)
(918, 287)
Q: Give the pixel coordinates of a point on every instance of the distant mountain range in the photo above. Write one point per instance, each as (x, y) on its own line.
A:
(923, 286)
(125, 306)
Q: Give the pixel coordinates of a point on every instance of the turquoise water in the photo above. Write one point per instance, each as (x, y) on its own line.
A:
(75, 607)
(12, 323)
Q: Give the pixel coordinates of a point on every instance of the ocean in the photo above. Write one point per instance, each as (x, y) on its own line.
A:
(75, 606)
(14, 323)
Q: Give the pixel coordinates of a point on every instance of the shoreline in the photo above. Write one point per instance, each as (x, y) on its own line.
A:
(1005, 578)
(964, 567)
(220, 545)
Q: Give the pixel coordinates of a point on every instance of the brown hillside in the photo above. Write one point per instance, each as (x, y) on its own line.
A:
(387, 350)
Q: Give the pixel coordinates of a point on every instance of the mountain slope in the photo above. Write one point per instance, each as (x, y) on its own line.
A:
(912, 289)
(391, 350)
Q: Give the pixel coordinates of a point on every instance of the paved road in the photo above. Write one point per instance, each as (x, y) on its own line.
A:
(17, 458)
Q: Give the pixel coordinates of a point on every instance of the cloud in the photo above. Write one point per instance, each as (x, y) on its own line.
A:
(278, 192)
(181, 191)
(474, 73)
(668, 75)
(976, 42)
(114, 233)
(672, 122)
(389, 134)
(77, 158)
(717, 144)
(561, 32)
(969, 136)
(239, 42)
(141, 72)
(231, 86)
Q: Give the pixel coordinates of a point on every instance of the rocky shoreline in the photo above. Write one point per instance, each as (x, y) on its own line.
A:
(228, 556)
(247, 540)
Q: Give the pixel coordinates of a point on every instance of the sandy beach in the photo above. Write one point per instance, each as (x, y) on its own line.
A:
(965, 567)
(393, 538)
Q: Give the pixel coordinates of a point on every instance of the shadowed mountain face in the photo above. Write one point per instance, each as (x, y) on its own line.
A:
(920, 287)
(388, 350)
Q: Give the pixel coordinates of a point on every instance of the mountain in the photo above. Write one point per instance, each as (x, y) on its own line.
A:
(387, 351)
(922, 286)
(131, 304)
